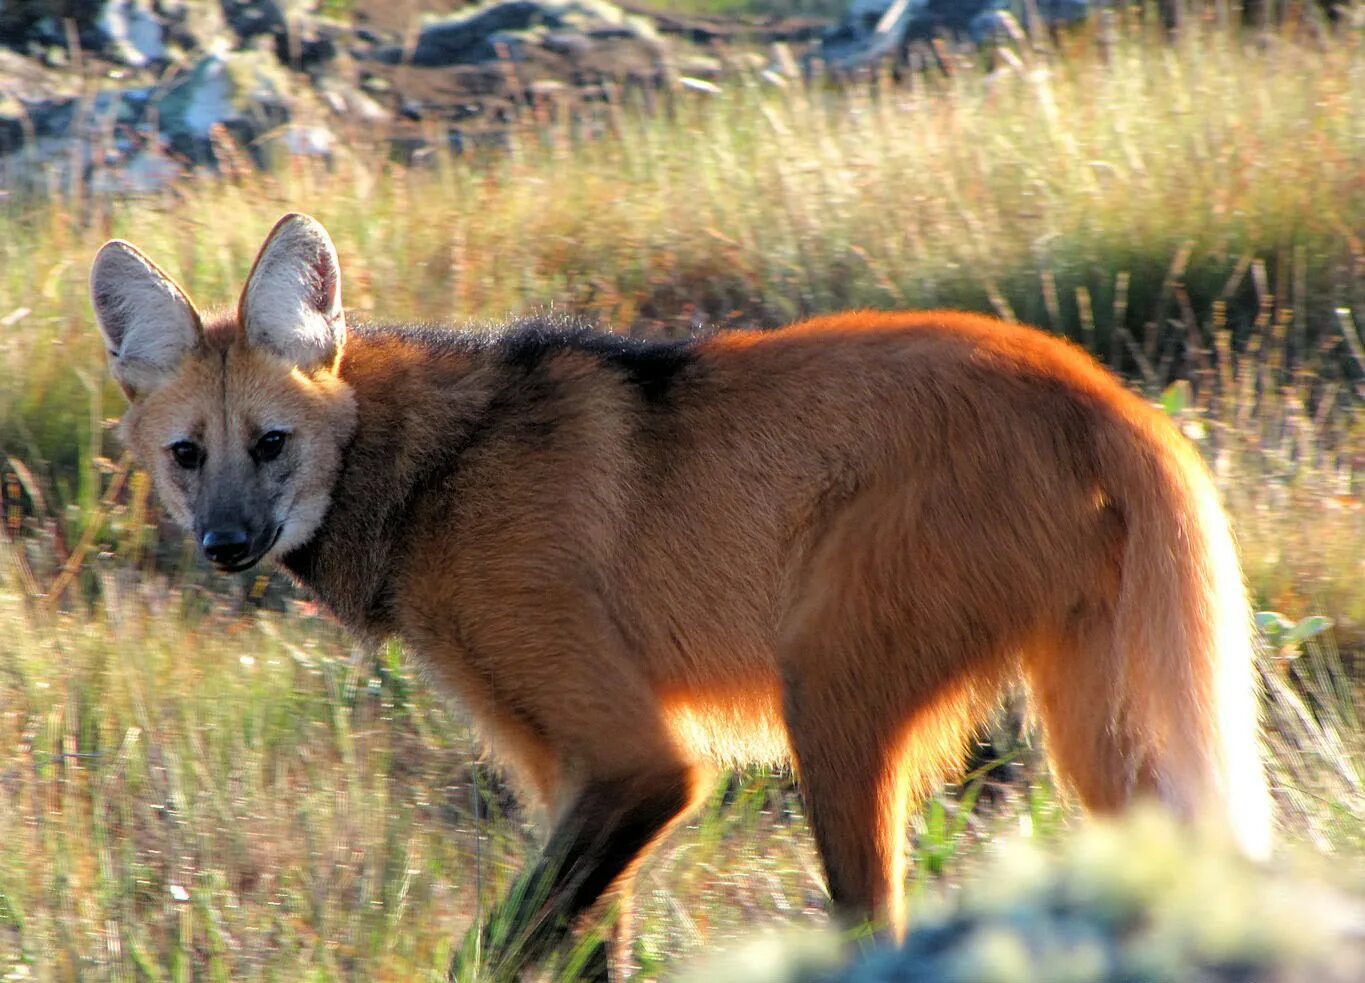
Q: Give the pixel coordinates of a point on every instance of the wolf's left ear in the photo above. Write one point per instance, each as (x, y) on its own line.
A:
(291, 304)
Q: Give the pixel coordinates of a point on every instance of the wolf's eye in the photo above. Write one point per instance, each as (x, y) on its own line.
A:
(187, 454)
(269, 445)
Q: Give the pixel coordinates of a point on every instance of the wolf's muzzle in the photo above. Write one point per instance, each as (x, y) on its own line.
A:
(233, 548)
(226, 547)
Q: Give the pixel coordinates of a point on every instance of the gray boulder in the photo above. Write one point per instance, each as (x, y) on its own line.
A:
(29, 24)
(252, 18)
(129, 32)
(134, 33)
(476, 36)
(245, 92)
(300, 35)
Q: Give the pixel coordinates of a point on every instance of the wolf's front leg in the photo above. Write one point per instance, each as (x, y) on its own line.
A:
(598, 842)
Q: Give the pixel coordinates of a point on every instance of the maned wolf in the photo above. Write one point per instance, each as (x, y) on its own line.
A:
(832, 543)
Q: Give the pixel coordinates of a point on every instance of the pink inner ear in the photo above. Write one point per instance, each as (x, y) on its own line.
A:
(325, 282)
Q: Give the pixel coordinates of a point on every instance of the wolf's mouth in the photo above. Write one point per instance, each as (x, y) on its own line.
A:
(254, 557)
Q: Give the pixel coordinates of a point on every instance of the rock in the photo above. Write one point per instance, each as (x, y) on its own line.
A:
(856, 41)
(60, 140)
(755, 29)
(191, 26)
(866, 13)
(471, 38)
(302, 39)
(244, 91)
(12, 116)
(146, 172)
(40, 22)
(134, 34)
(988, 25)
(931, 18)
(251, 18)
(480, 70)
(351, 103)
(298, 140)
(868, 35)
(573, 44)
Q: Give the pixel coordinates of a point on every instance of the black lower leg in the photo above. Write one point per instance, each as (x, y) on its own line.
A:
(602, 835)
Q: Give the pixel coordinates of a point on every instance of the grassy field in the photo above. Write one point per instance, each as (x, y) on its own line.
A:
(199, 779)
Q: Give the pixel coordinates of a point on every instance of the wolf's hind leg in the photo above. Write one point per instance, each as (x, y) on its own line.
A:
(1076, 684)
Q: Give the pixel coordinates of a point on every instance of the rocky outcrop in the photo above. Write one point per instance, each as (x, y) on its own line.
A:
(146, 84)
(181, 75)
(127, 129)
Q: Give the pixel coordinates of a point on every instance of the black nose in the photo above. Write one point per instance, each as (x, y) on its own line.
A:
(226, 546)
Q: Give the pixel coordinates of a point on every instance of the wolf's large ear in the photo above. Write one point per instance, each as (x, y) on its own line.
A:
(291, 304)
(147, 321)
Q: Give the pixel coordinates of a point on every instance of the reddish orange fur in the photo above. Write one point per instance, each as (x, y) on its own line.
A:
(836, 541)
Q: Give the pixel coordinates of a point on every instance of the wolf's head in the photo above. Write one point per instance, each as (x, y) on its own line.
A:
(241, 419)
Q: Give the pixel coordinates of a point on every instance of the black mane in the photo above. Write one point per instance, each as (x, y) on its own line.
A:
(651, 367)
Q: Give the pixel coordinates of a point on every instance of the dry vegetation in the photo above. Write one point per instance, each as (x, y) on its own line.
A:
(199, 779)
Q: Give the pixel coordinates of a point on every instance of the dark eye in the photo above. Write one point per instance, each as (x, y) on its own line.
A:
(269, 445)
(187, 454)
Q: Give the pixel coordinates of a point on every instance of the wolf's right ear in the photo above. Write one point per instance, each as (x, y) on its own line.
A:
(147, 322)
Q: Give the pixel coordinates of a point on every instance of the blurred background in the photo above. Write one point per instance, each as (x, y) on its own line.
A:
(200, 778)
